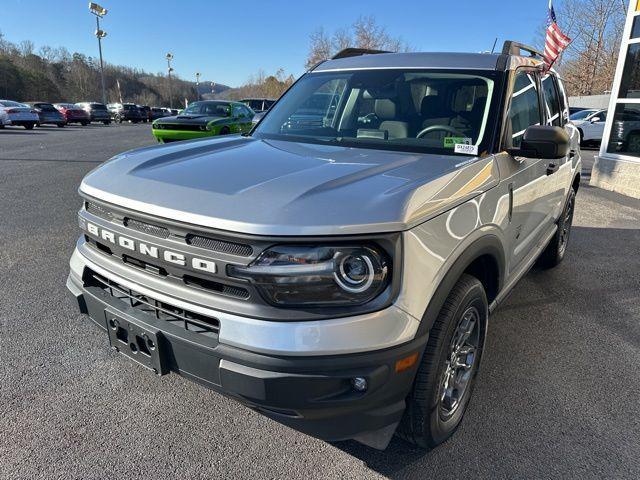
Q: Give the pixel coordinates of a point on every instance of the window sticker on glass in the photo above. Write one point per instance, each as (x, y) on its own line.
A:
(450, 142)
(465, 148)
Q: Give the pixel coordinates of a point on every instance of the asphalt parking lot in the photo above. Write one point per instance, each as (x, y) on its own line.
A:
(557, 395)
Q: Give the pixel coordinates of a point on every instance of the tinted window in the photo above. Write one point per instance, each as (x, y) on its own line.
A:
(635, 30)
(630, 84)
(551, 101)
(525, 109)
(625, 130)
(45, 107)
(98, 106)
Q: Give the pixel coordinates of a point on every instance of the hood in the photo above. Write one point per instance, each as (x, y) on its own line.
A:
(267, 187)
(196, 119)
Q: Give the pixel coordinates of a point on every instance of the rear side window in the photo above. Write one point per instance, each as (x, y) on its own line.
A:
(551, 101)
(525, 106)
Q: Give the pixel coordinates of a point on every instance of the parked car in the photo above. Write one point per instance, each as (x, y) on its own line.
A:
(48, 114)
(157, 112)
(122, 112)
(258, 105)
(339, 277)
(175, 111)
(145, 111)
(204, 119)
(625, 131)
(97, 112)
(590, 123)
(73, 113)
(19, 114)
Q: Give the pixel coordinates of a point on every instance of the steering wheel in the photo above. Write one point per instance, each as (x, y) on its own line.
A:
(443, 128)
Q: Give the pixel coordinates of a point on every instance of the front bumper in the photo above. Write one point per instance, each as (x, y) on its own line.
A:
(311, 393)
(175, 135)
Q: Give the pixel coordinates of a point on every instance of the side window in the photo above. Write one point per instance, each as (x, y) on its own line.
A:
(246, 112)
(551, 101)
(525, 106)
(238, 111)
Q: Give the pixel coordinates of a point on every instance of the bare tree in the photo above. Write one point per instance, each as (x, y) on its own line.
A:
(365, 32)
(595, 26)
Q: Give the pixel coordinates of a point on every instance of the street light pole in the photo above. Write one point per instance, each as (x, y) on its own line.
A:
(169, 57)
(197, 85)
(99, 12)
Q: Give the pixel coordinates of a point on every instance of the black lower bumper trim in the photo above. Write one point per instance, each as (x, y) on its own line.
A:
(313, 394)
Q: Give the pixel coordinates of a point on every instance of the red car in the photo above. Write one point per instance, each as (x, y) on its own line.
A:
(73, 113)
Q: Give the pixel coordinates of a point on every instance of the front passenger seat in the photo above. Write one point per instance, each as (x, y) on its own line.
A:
(385, 109)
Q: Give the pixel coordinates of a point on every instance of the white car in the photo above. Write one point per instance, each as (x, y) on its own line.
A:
(4, 118)
(590, 125)
(20, 114)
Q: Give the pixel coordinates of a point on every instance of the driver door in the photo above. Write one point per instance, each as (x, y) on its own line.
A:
(527, 178)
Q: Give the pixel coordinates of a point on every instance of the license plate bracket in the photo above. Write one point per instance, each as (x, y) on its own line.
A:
(143, 345)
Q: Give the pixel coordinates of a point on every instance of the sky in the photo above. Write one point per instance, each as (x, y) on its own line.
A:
(229, 41)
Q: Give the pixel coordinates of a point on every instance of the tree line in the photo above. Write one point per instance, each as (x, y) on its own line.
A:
(57, 75)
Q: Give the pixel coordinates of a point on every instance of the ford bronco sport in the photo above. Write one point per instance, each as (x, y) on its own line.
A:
(335, 270)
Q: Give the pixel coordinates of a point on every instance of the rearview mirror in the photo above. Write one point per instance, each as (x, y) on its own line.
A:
(543, 141)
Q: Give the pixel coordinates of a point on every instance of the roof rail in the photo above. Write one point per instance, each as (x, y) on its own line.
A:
(354, 52)
(514, 48)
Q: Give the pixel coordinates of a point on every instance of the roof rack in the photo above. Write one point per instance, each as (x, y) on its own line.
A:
(514, 48)
(355, 52)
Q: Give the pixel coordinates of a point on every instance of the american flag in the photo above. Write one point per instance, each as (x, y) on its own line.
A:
(556, 41)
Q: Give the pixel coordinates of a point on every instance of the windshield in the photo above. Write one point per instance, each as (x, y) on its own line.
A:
(207, 108)
(582, 115)
(391, 109)
(97, 106)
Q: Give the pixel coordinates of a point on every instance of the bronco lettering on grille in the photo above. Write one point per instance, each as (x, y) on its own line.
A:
(148, 250)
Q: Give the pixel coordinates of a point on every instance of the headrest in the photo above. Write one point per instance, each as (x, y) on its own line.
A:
(431, 105)
(385, 109)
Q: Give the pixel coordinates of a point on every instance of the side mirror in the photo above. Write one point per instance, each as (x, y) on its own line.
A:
(595, 119)
(543, 141)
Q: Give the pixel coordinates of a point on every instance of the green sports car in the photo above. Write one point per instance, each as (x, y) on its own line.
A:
(204, 119)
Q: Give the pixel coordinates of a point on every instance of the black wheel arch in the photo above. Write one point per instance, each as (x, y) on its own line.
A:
(484, 259)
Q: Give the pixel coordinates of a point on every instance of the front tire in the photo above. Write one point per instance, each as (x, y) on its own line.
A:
(446, 375)
(29, 126)
(555, 251)
(224, 131)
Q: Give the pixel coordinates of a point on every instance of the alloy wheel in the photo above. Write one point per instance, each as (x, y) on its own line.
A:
(461, 362)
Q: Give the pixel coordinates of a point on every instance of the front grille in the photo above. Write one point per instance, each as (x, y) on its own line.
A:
(211, 286)
(181, 127)
(221, 246)
(147, 228)
(98, 211)
(191, 321)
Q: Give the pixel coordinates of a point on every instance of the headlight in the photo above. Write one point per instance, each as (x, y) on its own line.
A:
(299, 275)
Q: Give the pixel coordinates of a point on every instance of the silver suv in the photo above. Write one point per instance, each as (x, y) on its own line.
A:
(335, 269)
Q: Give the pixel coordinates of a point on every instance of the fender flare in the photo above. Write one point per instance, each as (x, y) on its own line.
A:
(488, 244)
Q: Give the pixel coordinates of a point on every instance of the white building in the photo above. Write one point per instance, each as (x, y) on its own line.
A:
(617, 167)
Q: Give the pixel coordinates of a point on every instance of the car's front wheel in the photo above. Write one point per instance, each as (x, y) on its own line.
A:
(29, 126)
(446, 375)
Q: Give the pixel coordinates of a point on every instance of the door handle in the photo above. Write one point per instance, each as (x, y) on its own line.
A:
(552, 168)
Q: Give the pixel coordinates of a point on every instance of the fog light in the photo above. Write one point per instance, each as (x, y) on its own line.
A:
(359, 384)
